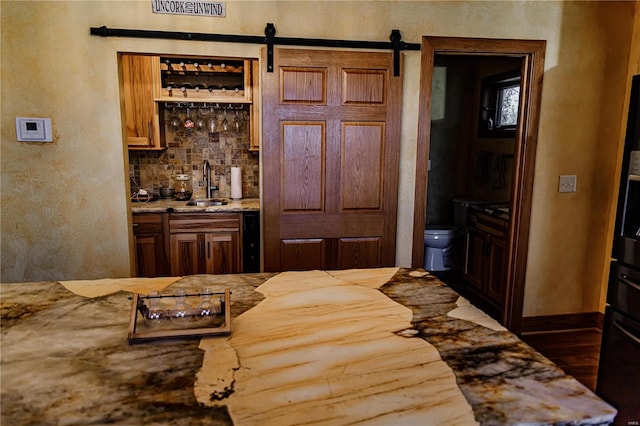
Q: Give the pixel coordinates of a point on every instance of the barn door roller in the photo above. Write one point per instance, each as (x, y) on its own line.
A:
(270, 40)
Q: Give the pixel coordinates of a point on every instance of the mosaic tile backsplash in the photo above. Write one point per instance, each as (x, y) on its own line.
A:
(187, 149)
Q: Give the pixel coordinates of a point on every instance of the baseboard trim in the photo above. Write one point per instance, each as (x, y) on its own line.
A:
(562, 322)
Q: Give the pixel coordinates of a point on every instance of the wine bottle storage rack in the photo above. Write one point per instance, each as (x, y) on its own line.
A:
(204, 66)
(205, 80)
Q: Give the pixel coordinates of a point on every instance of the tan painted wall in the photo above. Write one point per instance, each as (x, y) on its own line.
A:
(64, 213)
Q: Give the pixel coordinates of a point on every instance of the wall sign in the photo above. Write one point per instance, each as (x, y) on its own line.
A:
(190, 7)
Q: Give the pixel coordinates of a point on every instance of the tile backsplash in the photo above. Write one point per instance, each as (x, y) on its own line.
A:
(188, 149)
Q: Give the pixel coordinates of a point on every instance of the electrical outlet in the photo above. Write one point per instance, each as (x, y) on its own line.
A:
(568, 183)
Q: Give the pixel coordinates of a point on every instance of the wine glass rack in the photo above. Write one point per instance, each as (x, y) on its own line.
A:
(205, 79)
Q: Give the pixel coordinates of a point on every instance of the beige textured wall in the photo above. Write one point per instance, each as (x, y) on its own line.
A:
(64, 213)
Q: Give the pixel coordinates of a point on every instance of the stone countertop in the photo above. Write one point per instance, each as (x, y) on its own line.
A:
(500, 211)
(170, 205)
(65, 359)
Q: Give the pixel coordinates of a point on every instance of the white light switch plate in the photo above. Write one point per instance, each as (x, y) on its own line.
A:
(568, 183)
(31, 129)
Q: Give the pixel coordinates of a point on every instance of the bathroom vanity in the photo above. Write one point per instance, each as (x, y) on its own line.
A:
(486, 254)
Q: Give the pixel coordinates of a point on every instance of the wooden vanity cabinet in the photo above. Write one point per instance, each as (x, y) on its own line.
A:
(139, 77)
(486, 256)
(203, 243)
(151, 250)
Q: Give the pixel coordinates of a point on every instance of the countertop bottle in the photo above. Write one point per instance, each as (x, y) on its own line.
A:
(183, 189)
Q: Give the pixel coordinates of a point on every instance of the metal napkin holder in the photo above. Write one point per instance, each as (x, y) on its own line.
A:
(139, 331)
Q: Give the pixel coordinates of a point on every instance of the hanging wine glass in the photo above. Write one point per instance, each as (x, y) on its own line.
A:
(200, 122)
(236, 122)
(181, 311)
(188, 122)
(175, 122)
(225, 122)
(212, 125)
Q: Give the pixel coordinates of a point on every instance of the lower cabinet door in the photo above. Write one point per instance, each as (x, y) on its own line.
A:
(498, 271)
(205, 253)
(150, 259)
(222, 253)
(186, 254)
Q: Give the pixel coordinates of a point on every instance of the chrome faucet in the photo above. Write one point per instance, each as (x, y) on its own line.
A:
(206, 174)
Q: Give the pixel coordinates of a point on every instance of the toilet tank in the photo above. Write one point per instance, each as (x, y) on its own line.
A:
(460, 207)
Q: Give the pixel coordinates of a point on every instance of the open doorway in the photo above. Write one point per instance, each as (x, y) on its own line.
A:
(507, 178)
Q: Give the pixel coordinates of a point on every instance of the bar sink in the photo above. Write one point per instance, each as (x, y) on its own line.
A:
(205, 202)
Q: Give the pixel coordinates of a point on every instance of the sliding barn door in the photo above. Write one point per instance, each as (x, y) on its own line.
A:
(331, 142)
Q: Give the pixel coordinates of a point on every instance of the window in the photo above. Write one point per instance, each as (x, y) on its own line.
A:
(499, 106)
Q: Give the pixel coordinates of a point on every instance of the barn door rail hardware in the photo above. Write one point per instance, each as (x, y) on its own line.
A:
(395, 42)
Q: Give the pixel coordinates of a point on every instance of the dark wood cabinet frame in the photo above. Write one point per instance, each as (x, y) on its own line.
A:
(532, 54)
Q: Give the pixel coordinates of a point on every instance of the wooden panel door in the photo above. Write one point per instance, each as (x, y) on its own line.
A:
(331, 142)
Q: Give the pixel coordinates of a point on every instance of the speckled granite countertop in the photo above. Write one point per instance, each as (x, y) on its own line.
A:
(163, 205)
(66, 360)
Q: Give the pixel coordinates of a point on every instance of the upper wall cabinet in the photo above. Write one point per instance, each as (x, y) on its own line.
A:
(146, 81)
(139, 76)
(205, 79)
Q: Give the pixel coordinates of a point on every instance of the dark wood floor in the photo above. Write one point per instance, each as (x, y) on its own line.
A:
(576, 351)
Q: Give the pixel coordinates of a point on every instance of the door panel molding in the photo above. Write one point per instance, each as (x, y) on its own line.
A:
(303, 85)
(303, 254)
(364, 87)
(532, 54)
(358, 252)
(303, 164)
(362, 165)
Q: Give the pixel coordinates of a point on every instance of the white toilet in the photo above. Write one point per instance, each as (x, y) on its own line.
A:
(440, 242)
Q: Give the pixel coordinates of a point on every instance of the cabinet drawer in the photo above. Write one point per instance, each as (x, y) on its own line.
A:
(147, 224)
(204, 222)
(489, 224)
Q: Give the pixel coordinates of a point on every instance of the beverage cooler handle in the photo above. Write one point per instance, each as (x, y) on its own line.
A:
(625, 279)
(625, 332)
